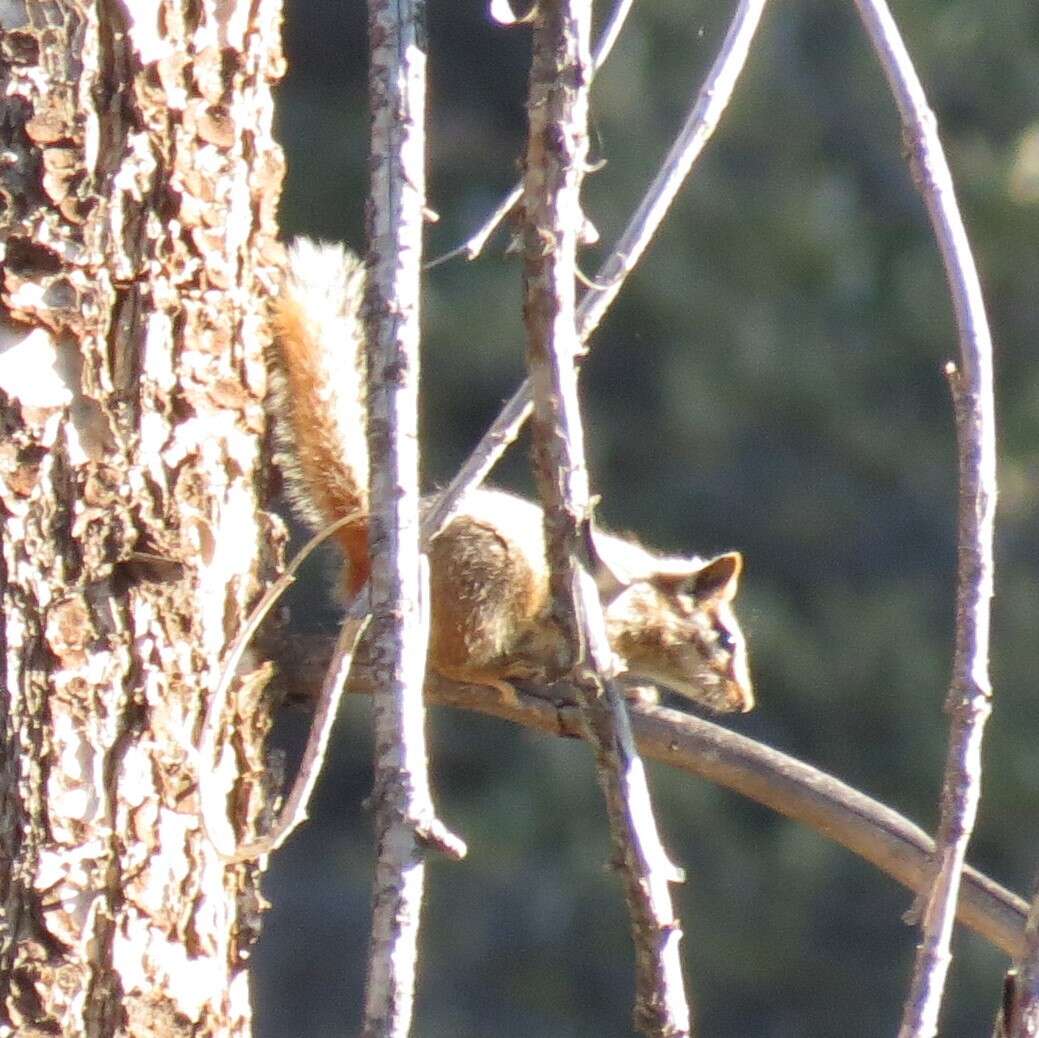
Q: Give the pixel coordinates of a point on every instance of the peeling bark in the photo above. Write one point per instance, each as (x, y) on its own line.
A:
(137, 193)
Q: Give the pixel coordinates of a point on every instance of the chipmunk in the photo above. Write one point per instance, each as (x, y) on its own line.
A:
(669, 619)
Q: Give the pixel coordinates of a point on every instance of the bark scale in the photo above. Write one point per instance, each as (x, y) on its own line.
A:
(137, 189)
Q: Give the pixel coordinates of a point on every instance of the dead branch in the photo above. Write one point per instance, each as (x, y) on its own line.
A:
(791, 787)
(556, 162)
(405, 822)
(970, 690)
(699, 125)
(473, 246)
(788, 786)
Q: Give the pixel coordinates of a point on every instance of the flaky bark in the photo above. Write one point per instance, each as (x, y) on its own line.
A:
(405, 822)
(397, 85)
(139, 186)
(556, 159)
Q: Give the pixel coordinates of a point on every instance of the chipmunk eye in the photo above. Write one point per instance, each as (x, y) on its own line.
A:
(726, 640)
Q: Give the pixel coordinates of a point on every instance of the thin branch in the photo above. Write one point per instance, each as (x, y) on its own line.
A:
(970, 690)
(294, 811)
(212, 798)
(1019, 1012)
(792, 788)
(405, 821)
(610, 32)
(782, 783)
(556, 162)
(711, 101)
(474, 245)
(476, 242)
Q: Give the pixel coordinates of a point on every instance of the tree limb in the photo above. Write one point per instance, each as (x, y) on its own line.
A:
(699, 125)
(969, 699)
(405, 822)
(555, 164)
(788, 786)
(793, 788)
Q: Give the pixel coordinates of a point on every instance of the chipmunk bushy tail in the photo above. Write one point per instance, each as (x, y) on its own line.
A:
(669, 619)
(318, 383)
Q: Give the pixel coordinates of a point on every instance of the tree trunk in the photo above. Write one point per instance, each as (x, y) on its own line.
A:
(138, 181)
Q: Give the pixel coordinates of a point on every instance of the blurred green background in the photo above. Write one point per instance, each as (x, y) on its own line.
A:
(771, 380)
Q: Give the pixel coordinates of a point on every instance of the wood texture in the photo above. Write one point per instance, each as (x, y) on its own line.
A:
(137, 233)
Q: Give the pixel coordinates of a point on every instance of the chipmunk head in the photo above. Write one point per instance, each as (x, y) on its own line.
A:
(672, 621)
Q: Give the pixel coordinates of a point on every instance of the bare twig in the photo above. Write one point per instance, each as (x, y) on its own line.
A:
(474, 245)
(212, 800)
(405, 821)
(1019, 1013)
(294, 811)
(711, 101)
(610, 31)
(970, 690)
(556, 161)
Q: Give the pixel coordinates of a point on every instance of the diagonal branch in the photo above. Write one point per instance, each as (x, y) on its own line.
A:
(212, 799)
(790, 787)
(970, 690)
(711, 101)
(473, 246)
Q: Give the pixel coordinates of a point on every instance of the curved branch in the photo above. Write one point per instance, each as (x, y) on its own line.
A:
(788, 786)
(970, 692)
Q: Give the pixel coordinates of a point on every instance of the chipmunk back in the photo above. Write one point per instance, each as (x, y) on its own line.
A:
(669, 619)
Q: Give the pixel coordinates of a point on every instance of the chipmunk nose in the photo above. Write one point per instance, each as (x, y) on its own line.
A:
(739, 697)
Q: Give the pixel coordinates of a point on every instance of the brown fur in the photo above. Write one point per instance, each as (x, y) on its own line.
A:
(669, 618)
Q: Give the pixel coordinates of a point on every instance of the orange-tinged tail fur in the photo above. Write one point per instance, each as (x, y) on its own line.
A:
(669, 618)
(318, 394)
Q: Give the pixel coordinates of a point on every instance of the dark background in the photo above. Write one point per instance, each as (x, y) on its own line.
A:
(770, 380)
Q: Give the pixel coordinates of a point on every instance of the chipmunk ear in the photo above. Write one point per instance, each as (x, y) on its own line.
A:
(719, 577)
(610, 581)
